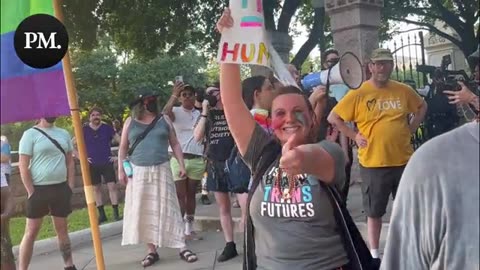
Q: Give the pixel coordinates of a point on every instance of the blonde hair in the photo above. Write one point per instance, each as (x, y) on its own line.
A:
(4, 139)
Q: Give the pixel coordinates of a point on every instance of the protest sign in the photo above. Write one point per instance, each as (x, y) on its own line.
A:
(247, 41)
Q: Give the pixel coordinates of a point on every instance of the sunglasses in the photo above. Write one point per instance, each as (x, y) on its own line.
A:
(333, 60)
(187, 94)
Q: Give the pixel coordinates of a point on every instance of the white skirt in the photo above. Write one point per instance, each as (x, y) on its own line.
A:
(152, 213)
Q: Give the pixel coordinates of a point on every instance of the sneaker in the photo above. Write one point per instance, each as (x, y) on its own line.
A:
(102, 219)
(205, 200)
(229, 252)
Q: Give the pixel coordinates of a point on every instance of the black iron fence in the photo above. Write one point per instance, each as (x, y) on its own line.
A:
(408, 52)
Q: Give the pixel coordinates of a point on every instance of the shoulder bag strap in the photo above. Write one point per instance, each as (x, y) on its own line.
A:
(269, 153)
(144, 134)
(55, 142)
(346, 227)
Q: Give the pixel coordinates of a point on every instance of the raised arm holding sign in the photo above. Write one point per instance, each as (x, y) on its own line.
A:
(246, 42)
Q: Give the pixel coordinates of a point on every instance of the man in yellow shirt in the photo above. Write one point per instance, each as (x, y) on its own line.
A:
(381, 109)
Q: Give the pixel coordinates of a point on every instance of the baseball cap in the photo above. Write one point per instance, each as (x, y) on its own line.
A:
(381, 54)
(142, 96)
(188, 87)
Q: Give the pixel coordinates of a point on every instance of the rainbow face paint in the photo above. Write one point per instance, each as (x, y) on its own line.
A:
(277, 123)
(300, 118)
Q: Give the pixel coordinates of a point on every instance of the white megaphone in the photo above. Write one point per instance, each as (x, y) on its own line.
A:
(347, 71)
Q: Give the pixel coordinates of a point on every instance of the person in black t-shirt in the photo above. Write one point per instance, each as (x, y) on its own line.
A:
(213, 129)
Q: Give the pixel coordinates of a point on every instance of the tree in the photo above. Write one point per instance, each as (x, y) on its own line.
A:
(460, 15)
(102, 81)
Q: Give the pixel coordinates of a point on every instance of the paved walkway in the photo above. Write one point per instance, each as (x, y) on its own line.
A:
(128, 258)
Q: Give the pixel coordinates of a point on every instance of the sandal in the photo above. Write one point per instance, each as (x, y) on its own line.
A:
(150, 259)
(188, 256)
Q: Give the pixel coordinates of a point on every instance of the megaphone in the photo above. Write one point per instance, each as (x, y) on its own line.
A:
(347, 71)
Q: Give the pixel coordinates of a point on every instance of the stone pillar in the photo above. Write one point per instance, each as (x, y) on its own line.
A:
(282, 42)
(355, 25)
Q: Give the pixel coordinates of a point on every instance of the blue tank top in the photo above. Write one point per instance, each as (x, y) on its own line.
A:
(153, 149)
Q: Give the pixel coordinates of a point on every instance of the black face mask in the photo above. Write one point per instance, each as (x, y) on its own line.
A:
(50, 120)
(152, 106)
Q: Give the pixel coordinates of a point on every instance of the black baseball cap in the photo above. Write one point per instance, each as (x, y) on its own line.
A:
(141, 97)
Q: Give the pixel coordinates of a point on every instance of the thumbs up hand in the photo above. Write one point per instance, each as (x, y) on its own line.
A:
(292, 159)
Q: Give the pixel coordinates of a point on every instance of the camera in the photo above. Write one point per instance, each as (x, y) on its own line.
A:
(441, 115)
(199, 94)
(212, 100)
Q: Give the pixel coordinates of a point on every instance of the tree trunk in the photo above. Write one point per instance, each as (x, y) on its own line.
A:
(317, 36)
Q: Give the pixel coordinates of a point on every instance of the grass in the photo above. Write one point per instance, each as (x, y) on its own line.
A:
(77, 220)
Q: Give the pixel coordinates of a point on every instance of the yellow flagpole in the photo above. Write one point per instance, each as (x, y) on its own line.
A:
(77, 125)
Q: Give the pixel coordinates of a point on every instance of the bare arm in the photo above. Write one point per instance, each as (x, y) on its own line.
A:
(23, 163)
(317, 99)
(418, 117)
(176, 147)
(199, 131)
(338, 122)
(70, 169)
(240, 120)
(123, 147)
(318, 162)
(167, 110)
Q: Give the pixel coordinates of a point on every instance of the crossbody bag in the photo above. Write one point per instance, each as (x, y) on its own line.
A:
(127, 166)
(55, 142)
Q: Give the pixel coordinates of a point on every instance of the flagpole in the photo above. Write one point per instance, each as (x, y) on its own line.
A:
(77, 125)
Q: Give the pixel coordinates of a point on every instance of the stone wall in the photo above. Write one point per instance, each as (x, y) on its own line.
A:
(78, 198)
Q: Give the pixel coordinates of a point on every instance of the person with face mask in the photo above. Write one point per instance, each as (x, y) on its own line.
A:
(47, 170)
(380, 108)
(152, 213)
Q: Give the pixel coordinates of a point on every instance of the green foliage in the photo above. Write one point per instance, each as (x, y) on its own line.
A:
(103, 82)
(461, 16)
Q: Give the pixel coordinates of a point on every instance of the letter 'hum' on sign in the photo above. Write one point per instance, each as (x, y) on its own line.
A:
(252, 20)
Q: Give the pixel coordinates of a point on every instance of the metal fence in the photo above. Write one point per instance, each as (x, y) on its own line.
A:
(409, 52)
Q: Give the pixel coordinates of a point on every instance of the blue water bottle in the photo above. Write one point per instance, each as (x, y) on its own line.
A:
(127, 167)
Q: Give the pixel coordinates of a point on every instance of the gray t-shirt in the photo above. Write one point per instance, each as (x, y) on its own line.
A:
(153, 149)
(435, 218)
(300, 233)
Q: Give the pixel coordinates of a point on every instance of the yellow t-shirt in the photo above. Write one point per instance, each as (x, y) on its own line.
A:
(381, 115)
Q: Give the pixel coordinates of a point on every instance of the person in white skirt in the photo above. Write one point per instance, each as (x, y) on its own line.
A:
(152, 214)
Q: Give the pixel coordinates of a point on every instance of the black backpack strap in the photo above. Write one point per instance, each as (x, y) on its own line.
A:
(269, 155)
(144, 134)
(55, 142)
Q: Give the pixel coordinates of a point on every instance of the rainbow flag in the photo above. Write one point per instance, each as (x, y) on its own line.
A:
(27, 93)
